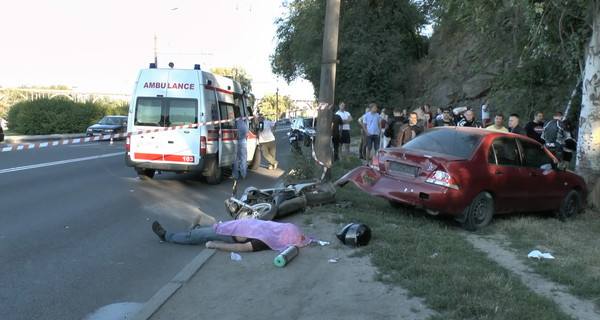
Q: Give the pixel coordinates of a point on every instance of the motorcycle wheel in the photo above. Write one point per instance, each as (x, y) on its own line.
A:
(263, 211)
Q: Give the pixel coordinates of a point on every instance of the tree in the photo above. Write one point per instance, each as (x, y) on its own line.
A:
(238, 74)
(588, 145)
(272, 104)
(377, 42)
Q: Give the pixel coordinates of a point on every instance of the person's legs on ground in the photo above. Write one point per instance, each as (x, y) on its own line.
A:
(336, 149)
(369, 143)
(363, 144)
(345, 142)
(197, 235)
(243, 158)
(268, 151)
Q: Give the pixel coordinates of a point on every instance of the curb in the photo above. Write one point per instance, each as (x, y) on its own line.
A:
(164, 294)
(51, 137)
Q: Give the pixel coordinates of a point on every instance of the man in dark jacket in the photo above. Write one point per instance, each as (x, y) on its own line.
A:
(394, 123)
(408, 131)
(514, 126)
(555, 133)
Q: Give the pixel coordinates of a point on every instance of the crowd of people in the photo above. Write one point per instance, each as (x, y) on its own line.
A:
(382, 130)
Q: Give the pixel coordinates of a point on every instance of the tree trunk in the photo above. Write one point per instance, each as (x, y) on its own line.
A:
(588, 142)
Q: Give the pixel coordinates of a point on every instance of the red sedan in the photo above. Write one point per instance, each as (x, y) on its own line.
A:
(472, 174)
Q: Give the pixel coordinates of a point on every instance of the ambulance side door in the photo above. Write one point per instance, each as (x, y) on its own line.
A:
(227, 134)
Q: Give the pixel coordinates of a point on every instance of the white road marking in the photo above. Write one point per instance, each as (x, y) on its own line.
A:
(55, 163)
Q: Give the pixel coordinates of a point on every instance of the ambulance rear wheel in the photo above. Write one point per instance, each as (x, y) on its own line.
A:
(255, 160)
(213, 173)
(146, 174)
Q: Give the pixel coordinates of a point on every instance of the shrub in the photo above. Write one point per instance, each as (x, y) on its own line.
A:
(59, 115)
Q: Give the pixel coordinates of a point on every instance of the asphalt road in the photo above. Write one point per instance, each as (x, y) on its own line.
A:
(75, 231)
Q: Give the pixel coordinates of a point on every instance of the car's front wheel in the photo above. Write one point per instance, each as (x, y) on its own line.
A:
(570, 206)
(480, 212)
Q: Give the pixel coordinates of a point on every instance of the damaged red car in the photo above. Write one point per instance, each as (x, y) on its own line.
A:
(472, 174)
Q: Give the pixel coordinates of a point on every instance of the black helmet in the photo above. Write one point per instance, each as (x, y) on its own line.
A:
(355, 234)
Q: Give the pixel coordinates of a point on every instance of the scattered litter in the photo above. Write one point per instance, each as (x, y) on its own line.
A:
(66, 227)
(323, 243)
(344, 204)
(334, 260)
(434, 255)
(235, 256)
(539, 255)
(339, 204)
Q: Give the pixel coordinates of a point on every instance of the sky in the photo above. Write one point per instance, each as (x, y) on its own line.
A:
(99, 46)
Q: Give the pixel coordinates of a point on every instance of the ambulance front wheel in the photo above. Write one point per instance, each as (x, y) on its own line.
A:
(255, 160)
(145, 174)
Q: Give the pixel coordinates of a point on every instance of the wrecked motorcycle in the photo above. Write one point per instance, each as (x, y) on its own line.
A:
(268, 204)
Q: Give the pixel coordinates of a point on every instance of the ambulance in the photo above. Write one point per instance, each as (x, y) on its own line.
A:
(182, 120)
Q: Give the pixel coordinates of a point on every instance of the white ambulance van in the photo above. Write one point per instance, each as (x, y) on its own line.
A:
(182, 120)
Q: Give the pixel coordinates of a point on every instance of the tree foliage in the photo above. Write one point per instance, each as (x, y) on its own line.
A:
(272, 104)
(377, 40)
(238, 74)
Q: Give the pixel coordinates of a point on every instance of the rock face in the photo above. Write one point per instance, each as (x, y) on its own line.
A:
(447, 77)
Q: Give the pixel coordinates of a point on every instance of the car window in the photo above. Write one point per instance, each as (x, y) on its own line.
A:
(456, 143)
(535, 156)
(310, 122)
(504, 152)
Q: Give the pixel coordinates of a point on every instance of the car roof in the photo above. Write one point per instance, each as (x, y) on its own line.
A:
(483, 132)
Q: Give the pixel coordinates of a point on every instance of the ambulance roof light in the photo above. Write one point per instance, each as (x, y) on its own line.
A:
(171, 65)
(197, 67)
(152, 65)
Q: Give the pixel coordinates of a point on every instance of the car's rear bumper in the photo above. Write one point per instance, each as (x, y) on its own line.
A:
(167, 166)
(434, 198)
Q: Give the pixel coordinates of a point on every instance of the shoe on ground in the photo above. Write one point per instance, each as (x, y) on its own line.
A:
(270, 167)
(158, 229)
(275, 165)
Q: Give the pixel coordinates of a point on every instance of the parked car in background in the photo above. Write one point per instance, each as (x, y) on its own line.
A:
(472, 174)
(107, 126)
(284, 121)
(305, 129)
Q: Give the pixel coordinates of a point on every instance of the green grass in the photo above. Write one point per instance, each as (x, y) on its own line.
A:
(430, 257)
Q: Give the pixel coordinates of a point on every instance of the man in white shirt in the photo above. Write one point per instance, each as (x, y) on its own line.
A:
(345, 135)
(266, 139)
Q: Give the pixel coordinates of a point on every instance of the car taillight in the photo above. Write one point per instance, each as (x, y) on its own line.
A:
(442, 178)
(128, 143)
(202, 145)
(375, 163)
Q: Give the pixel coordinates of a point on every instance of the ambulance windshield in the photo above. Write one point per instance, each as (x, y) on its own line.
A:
(165, 112)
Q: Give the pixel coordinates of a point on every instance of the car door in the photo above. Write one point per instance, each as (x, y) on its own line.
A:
(504, 165)
(543, 182)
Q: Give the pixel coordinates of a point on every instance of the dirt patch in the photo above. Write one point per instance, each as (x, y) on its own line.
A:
(577, 308)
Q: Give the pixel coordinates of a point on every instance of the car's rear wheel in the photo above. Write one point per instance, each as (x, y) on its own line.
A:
(480, 212)
(570, 206)
(146, 174)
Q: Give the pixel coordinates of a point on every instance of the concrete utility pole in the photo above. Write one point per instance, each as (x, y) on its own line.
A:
(327, 83)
